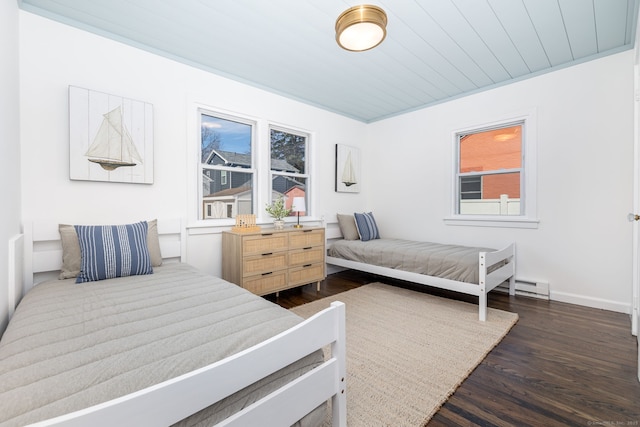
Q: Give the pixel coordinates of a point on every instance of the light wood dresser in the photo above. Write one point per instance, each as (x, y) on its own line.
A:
(272, 260)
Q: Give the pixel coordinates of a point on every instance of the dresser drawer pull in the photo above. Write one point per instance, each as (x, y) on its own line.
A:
(310, 247)
(307, 265)
(267, 253)
(307, 231)
(266, 274)
(267, 234)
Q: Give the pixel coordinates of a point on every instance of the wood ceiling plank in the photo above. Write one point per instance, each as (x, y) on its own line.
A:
(580, 25)
(547, 21)
(608, 16)
(516, 22)
(488, 27)
(453, 22)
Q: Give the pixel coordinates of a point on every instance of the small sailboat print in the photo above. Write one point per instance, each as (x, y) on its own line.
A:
(348, 173)
(113, 146)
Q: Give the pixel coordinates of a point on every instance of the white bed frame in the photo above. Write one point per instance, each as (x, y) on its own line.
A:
(173, 400)
(487, 280)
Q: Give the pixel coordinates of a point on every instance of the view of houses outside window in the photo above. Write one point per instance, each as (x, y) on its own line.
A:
(489, 171)
(289, 170)
(227, 166)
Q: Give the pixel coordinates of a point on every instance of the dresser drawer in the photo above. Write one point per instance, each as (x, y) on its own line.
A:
(306, 274)
(269, 262)
(264, 243)
(303, 239)
(266, 283)
(308, 255)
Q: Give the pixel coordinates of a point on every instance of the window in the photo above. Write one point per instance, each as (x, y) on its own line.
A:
(489, 171)
(227, 166)
(289, 166)
(494, 171)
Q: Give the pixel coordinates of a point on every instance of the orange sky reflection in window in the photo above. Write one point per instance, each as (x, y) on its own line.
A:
(491, 150)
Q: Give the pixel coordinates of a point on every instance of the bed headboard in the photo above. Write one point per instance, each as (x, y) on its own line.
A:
(43, 248)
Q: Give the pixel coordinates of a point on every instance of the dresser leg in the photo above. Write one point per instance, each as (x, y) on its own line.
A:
(318, 286)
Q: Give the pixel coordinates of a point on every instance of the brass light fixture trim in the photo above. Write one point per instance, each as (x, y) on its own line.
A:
(361, 28)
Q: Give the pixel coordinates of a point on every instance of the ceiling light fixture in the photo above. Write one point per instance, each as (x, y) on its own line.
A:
(361, 28)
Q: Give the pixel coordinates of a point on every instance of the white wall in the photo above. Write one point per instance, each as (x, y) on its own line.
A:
(584, 177)
(54, 56)
(9, 143)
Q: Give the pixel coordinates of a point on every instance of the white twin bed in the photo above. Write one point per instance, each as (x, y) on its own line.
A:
(469, 270)
(173, 347)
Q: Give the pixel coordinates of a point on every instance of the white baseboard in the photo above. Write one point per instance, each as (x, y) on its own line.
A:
(600, 303)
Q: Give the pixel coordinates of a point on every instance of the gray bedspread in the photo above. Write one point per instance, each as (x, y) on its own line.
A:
(453, 262)
(70, 346)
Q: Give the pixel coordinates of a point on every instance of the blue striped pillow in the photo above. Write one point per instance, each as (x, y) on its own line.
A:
(367, 227)
(109, 251)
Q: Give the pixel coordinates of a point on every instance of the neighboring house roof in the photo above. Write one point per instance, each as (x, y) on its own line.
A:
(231, 158)
(283, 165)
(296, 187)
(292, 180)
(231, 191)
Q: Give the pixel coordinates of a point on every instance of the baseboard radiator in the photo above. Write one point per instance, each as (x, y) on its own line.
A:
(528, 288)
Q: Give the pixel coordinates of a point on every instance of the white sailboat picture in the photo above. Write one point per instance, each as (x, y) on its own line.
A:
(348, 172)
(110, 137)
(347, 169)
(113, 147)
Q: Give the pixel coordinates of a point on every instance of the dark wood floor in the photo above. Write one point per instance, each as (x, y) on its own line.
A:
(560, 365)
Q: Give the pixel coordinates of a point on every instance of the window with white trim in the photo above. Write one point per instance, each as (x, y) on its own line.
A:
(494, 177)
(289, 156)
(227, 165)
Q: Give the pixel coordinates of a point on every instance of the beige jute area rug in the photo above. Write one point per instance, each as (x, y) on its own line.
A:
(408, 351)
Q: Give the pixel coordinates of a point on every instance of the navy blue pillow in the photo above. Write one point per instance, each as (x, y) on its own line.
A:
(367, 227)
(109, 251)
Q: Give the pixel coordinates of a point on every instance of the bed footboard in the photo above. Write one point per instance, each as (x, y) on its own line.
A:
(495, 268)
(173, 400)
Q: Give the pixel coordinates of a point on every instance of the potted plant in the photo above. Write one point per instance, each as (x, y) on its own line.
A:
(278, 211)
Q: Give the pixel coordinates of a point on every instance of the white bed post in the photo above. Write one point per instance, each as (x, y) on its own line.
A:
(482, 283)
(15, 271)
(338, 351)
(512, 279)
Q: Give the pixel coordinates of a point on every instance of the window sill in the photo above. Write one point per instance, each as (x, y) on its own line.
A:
(216, 226)
(492, 221)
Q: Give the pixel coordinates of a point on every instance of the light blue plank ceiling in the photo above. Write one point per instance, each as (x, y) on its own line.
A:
(435, 50)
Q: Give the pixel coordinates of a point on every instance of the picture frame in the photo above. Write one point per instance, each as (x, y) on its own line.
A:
(110, 137)
(348, 175)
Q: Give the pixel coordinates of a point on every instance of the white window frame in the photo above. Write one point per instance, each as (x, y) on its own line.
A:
(308, 162)
(528, 192)
(253, 170)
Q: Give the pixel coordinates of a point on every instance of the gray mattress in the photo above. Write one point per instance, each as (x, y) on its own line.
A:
(70, 346)
(452, 262)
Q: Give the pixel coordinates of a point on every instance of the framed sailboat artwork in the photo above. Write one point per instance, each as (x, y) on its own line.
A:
(110, 137)
(347, 169)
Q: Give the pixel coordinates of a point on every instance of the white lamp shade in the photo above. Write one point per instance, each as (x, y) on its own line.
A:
(298, 204)
(361, 36)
